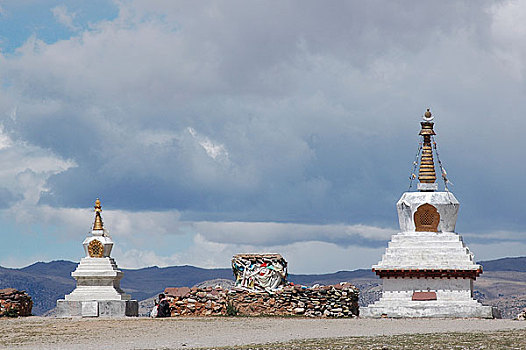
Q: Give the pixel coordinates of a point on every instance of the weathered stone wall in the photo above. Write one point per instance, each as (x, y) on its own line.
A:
(339, 300)
(15, 303)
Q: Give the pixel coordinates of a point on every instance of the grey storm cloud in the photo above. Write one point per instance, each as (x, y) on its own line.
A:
(273, 233)
(290, 111)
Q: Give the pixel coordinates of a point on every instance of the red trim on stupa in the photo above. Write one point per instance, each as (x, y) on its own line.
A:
(428, 273)
(424, 296)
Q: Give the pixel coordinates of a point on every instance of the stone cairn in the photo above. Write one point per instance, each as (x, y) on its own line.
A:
(261, 289)
(15, 303)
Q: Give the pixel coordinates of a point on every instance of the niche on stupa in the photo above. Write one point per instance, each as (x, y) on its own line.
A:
(426, 218)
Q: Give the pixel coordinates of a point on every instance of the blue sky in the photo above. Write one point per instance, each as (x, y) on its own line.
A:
(49, 21)
(214, 128)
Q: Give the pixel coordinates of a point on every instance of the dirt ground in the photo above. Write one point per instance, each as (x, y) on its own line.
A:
(186, 333)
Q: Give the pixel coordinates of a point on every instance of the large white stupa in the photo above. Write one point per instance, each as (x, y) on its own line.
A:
(98, 291)
(427, 270)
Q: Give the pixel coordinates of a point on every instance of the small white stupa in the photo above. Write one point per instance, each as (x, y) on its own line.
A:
(427, 270)
(98, 291)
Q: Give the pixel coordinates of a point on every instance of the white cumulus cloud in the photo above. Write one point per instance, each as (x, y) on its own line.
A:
(64, 17)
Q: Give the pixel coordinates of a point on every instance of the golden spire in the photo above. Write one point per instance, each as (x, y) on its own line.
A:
(98, 224)
(426, 173)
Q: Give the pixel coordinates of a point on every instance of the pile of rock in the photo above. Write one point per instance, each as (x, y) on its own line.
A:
(197, 301)
(339, 300)
(15, 303)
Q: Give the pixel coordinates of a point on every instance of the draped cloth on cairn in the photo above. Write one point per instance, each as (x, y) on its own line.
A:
(259, 272)
(98, 291)
(427, 270)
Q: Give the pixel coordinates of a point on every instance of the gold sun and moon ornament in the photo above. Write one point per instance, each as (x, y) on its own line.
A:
(95, 247)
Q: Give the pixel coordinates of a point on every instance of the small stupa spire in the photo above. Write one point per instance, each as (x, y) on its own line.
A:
(426, 172)
(98, 224)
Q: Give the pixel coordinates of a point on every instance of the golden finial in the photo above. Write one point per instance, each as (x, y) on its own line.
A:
(98, 224)
(426, 173)
(427, 114)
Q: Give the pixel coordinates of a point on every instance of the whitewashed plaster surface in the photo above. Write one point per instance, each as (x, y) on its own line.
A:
(98, 291)
(104, 237)
(445, 289)
(442, 250)
(97, 279)
(427, 250)
(435, 308)
(445, 203)
(411, 249)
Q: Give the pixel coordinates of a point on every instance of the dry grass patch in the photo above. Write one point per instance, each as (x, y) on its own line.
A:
(503, 340)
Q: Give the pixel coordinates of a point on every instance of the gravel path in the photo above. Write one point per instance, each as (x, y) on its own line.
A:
(184, 333)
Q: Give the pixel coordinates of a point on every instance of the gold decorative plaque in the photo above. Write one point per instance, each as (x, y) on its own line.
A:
(95, 249)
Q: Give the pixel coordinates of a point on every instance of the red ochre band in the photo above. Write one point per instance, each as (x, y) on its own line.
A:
(473, 274)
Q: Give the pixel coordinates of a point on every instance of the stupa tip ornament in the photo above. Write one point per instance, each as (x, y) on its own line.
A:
(98, 224)
(426, 172)
(428, 117)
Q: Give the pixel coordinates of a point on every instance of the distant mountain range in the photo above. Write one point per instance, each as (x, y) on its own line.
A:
(505, 264)
(503, 283)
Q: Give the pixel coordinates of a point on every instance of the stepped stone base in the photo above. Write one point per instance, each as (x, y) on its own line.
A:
(98, 292)
(434, 308)
(97, 308)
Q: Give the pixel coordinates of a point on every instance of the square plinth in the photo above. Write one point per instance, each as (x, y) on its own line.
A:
(97, 308)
